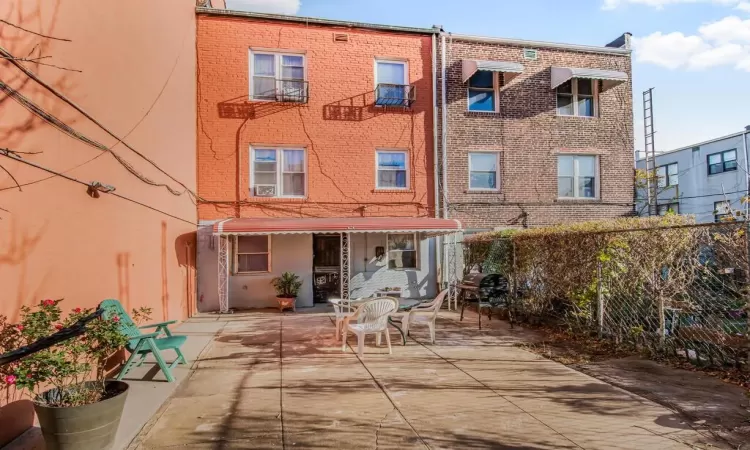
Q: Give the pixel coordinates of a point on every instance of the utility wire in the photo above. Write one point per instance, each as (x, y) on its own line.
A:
(10, 154)
(65, 128)
(58, 94)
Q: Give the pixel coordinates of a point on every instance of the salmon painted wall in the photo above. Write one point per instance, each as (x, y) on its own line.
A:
(134, 65)
(339, 127)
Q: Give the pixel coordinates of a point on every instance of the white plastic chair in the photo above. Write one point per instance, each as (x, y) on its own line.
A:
(425, 313)
(341, 310)
(372, 318)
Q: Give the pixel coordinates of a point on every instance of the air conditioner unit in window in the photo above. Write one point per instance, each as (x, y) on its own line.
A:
(265, 190)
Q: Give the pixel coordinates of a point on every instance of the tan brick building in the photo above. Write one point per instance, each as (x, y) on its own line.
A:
(535, 133)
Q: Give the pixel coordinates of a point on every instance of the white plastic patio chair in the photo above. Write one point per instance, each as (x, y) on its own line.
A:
(341, 310)
(372, 318)
(425, 313)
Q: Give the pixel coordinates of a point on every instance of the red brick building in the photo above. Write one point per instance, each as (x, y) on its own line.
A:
(312, 119)
(535, 133)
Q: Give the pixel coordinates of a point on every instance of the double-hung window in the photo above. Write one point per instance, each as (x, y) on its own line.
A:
(667, 175)
(392, 170)
(482, 91)
(402, 251)
(252, 254)
(278, 77)
(722, 162)
(577, 176)
(483, 170)
(391, 83)
(576, 97)
(278, 172)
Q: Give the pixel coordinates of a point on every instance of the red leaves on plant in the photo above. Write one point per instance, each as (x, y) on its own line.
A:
(58, 326)
(48, 302)
(77, 310)
(10, 379)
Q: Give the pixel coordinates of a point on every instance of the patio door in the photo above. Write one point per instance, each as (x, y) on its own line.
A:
(326, 267)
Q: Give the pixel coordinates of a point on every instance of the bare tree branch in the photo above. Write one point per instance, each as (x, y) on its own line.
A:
(34, 32)
(18, 185)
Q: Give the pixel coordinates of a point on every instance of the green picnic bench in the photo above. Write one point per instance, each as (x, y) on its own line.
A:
(141, 344)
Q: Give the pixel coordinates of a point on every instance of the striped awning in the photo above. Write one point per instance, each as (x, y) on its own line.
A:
(470, 66)
(610, 78)
(430, 226)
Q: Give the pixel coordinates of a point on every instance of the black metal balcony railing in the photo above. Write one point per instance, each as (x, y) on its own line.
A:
(282, 90)
(395, 95)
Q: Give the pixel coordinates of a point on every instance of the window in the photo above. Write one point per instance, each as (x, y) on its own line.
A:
(402, 251)
(722, 162)
(278, 172)
(721, 211)
(278, 77)
(392, 170)
(252, 254)
(668, 208)
(391, 83)
(576, 176)
(483, 170)
(482, 91)
(576, 97)
(667, 175)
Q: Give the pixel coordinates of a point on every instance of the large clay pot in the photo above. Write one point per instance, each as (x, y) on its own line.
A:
(88, 427)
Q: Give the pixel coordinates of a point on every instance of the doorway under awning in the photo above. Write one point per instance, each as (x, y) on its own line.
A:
(227, 230)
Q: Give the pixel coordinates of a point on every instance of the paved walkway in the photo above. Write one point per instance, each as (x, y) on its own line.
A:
(280, 381)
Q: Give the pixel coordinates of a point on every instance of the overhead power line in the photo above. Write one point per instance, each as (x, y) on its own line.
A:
(10, 154)
(4, 52)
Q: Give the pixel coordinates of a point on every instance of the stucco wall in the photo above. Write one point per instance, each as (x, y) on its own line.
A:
(135, 63)
(292, 253)
(370, 274)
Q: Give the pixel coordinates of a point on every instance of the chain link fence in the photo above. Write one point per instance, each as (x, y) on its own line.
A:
(664, 286)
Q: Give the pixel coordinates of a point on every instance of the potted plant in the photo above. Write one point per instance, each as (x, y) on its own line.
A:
(77, 407)
(287, 287)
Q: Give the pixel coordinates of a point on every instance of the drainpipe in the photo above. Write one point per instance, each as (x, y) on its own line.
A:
(445, 130)
(439, 240)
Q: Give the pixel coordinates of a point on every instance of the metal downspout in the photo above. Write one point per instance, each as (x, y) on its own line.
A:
(435, 171)
(444, 130)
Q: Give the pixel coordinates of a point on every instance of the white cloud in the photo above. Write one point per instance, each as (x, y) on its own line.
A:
(743, 6)
(659, 4)
(725, 42)
(265, 6)
(728, 29)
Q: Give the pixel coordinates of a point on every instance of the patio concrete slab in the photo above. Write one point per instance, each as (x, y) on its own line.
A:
(271, 380)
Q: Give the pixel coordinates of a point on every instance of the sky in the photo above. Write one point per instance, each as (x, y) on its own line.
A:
(694, 53)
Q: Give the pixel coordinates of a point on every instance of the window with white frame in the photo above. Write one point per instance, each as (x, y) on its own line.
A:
(392, 169)
(278, 172)
(277, 77)
(725, 161)
(402, 251)
(484, 170)
(482, 91)
(252, 254)
(391, 82)
(577, 97)
(667, 208)
(577, 176)
(667, 175)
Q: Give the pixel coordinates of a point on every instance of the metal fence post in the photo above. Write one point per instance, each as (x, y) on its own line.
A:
(599, 298)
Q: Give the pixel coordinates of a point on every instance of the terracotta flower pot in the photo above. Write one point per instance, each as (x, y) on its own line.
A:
(87, 427)
(287, 303)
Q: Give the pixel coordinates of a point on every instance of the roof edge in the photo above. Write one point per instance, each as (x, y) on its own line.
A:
(698, 144)
(313, 20)
(543, 44)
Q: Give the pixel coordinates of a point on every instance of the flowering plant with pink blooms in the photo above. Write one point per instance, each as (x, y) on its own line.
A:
(74, 368)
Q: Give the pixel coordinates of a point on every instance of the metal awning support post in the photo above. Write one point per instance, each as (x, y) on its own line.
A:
(224, 273)
(345, 268)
